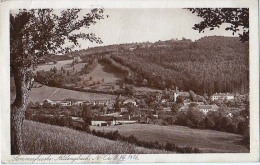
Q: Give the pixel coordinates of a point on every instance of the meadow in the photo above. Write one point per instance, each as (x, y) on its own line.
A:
(58, 65)
(208, 141)
(60, 140)
(45, 92)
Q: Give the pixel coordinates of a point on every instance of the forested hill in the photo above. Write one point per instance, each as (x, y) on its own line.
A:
(208, 65)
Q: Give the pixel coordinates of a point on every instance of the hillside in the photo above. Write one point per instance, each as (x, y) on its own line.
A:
(206, 140)
(208, 65)
(60, 140)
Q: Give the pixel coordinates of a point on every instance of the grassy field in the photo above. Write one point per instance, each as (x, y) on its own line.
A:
(47, 67)
(47, 139)
(206, 140)
(44, 92)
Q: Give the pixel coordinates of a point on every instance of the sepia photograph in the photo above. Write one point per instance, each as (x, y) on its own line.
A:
(115, 84)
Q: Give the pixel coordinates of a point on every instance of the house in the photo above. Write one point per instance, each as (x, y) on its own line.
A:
(222, 96)
(103, 121)
(185, 95)
(63, 103)
(206, 108)
(203, 108)
(130, 102)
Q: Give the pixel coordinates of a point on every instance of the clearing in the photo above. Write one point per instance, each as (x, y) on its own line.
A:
(206, 140)
(106, 72)
(48, 139)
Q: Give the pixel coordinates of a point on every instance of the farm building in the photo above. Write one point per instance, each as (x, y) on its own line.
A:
(103, 121)
(222, 96)
(62, 103)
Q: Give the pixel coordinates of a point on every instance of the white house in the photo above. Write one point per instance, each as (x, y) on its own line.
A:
(103, 121)
(222, 96)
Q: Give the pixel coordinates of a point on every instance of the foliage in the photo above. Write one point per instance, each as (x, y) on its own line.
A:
(214, 17)
(89, 67)
(56, 78)
(87, 115)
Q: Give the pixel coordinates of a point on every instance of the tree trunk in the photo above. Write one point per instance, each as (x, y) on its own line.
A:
(23, 84)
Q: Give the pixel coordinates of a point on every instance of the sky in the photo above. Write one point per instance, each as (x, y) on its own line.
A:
(141, 25)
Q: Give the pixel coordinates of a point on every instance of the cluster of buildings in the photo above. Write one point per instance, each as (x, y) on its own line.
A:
(114, 118)
(68, 103)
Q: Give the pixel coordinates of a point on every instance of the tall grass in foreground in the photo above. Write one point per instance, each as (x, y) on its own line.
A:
(48, 139)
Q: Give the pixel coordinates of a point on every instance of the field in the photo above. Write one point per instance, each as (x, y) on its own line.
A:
(39, 94)
(47, 67)
(205, 140)
(46, 92)
(47, 139)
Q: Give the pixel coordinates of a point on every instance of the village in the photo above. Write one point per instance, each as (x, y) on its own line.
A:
(129, 110)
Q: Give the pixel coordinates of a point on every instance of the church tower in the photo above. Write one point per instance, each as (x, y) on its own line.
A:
(176, 93)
